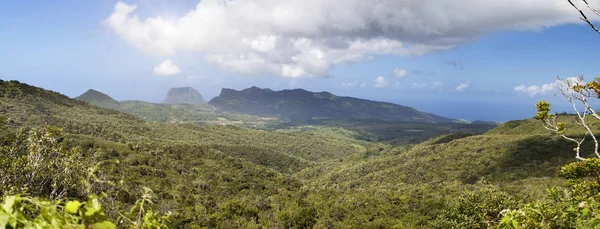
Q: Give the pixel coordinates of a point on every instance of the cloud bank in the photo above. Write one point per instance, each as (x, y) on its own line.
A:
(400, 72)
(306, 38)
(534, 90)
(167, 68)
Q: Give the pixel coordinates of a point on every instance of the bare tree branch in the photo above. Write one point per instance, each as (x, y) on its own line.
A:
(592, 8)
(585, 18)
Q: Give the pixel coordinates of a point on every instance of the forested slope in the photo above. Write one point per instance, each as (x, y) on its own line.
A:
(233, 177)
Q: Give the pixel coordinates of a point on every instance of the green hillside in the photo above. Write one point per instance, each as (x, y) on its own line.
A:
(301, 105)
(326, 177)
(391, 132)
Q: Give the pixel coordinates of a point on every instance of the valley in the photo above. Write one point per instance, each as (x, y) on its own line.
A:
(268, 114)
(317, 173)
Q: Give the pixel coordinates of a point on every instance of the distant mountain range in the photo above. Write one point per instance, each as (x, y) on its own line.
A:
(181, 105)
(300, 105)
(184, 104)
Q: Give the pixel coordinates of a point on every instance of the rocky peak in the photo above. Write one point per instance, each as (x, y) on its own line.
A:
(184, 95)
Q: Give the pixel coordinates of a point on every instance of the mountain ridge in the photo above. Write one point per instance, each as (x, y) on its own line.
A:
(301, 104)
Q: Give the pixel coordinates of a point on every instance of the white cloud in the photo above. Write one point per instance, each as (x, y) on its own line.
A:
(437, 85)
(419, 85)
(167, 68)
(349, 84)
(400, 72)
(381, 82)
(306, 38)
(534, 90)
(463, 86)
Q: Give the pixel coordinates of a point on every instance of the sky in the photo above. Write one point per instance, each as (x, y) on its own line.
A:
(464, 59)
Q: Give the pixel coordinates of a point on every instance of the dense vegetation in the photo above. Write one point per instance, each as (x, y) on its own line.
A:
(234, 177)
(372, 130)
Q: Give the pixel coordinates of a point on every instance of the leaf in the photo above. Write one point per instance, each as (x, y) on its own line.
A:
(75, 226)
(92, 207)
(104, 225)
(9, 202)
(72, 206)
(3, 219)
(504, 220)
(515, 224)
(585, 211)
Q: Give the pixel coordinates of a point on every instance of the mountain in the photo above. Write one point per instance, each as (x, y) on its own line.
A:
(181, 95)
(301, 105)
(233, 177)
(169, 113)
(99, 99)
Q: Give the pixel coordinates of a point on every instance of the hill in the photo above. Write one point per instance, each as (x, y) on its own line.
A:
(184, 112)
(184, 95)
(233, 177)
(99, 99)
(392, 132)
(301, 105)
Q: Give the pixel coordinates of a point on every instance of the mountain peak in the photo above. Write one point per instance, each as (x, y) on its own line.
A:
(180, 95)
(93, 95)
(98, 98)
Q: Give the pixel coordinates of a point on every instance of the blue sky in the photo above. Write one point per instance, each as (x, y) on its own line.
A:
(68, 47)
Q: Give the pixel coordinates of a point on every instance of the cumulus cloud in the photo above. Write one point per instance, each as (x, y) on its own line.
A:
(381, 82)
(400, 72)
(463, 86)
(437, 85)
(534, 90)
(349, 84)
(306, 38)
(167, 68)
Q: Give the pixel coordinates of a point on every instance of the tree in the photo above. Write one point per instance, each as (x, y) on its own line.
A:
(583, 16)
(576, 91)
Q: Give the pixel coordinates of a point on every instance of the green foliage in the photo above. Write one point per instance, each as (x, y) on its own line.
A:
(3, 122)
(573, 207)
(142, 216)
(23, 212)
(35, 162)
(321, 177)
(475, 209)
(390, 132)
(543, 110)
